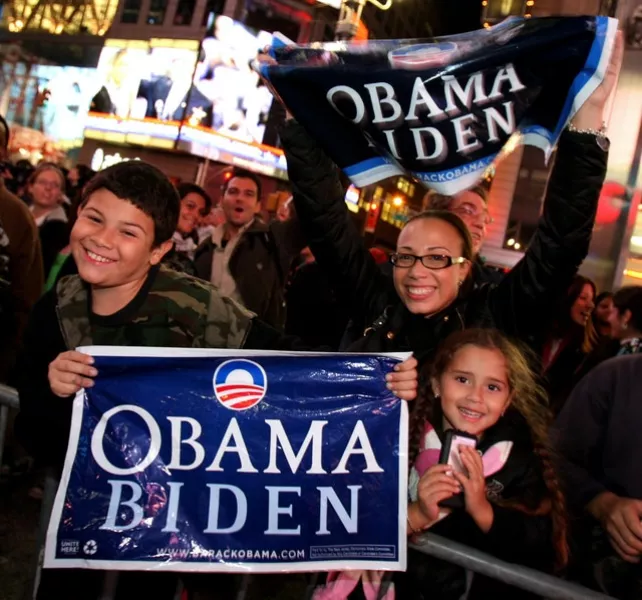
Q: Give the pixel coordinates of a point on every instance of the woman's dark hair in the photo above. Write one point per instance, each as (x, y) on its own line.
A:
(563, 325)
(191, 188)
(527, 398)
(595, 319)
(603, 296)
(453, 220)
(147, 188)
(575, 289)
(630, 298)
(85, 174)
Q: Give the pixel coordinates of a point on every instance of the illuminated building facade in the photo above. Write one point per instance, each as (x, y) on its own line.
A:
(517, 192)
(71, 17)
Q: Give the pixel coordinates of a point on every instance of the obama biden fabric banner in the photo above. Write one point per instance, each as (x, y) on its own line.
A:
(442, 110)
(247, 461)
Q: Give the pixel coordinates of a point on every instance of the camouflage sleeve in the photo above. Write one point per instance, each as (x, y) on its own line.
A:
(228, 323)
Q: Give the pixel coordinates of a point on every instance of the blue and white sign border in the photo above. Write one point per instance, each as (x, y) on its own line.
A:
(51, 542)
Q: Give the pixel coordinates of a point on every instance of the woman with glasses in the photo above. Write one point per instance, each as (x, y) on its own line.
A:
(431, 294)
(46, 192)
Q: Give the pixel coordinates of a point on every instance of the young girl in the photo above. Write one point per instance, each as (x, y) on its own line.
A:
(512, 505)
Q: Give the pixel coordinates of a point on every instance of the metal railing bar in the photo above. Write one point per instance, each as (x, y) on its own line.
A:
(48, 497)
(244, 586)
(519, 576)
(8, 399)
(9, 396)
(4, 421)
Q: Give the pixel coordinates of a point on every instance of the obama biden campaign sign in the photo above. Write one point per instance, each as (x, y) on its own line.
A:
(211, 460)
(442, 110)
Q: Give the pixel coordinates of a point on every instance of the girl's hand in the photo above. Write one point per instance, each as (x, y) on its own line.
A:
(436, 485)
(591, 115)
(402, 382)
(474, 485)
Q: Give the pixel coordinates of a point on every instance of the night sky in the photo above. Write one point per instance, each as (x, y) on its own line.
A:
(427, 18)
(454, 16)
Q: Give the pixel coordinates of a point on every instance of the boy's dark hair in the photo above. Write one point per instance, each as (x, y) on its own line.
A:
(147, 188)
(244, 174)
(6, 134)
(191, 188)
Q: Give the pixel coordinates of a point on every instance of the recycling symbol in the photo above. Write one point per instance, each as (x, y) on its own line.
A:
(90, 547)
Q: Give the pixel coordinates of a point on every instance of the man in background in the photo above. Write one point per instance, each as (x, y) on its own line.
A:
(245, 258)
(599, 449)
(21, 283)
(21, 272)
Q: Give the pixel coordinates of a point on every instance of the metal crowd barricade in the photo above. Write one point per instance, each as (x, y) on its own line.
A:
(524, 578)
(470, 559)
(8, 399)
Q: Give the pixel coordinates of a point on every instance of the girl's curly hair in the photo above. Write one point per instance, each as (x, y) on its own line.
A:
(528, 399)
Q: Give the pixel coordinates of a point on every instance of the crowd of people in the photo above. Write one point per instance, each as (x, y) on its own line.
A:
(535, 364)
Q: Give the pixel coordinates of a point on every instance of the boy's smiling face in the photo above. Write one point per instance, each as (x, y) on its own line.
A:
(112, 241)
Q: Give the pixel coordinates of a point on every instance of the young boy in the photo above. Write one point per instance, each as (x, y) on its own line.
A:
(123, 296)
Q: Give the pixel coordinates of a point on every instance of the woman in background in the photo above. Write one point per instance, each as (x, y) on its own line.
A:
(625, 325)
(602, 314)
(195, 205)
(571, 338)
(45, 194)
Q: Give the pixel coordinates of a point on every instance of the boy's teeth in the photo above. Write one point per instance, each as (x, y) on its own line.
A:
(97, 257)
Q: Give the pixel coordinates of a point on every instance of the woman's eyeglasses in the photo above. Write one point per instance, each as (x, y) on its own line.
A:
(430, 261)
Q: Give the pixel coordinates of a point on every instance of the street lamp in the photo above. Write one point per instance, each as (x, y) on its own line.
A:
(350, 16)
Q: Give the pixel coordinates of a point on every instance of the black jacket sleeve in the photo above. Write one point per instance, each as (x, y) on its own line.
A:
(43, 423)
(514, 536)
(289, 240)
(579, 435)
(521, 302)
(337, 246)
(535, 535)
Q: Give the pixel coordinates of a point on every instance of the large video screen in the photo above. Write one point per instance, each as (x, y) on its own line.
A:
(51, 129)
(229, 106)
(203, 99)
(144, 91)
